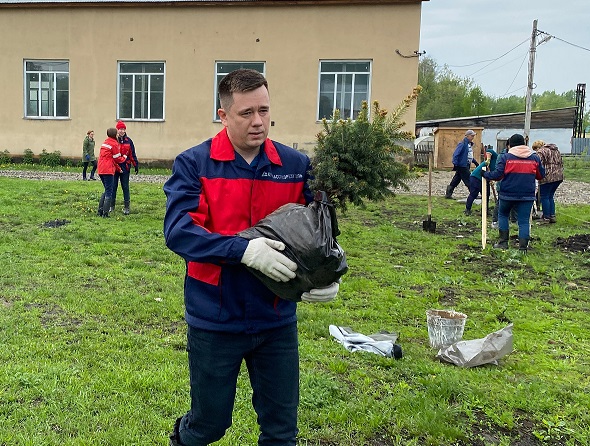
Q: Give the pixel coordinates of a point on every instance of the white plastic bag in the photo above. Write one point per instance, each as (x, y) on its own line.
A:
(479, 351)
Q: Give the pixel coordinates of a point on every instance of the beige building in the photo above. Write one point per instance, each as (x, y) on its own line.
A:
(71, 66)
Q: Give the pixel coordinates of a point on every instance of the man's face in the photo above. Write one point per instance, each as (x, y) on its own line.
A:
(121, 132)
(248, 119)
(470, 137)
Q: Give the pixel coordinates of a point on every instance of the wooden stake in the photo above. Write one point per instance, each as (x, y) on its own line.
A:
(484, 211)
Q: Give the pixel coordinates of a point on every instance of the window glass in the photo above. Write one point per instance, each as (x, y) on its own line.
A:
(141, 90)
(47, 89)
(223, 68)
(343, 85)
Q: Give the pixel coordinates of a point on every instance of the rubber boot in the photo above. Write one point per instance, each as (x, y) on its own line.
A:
(126, 208)
(175, 436)
(101, 205)
(523, 245)
(503, 241)
(112, 206)
(449, 192)
(106, 209)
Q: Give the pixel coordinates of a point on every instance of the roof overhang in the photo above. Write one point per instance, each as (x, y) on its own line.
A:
(169, 3)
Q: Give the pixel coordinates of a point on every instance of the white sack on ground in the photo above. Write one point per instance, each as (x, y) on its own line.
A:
(382, 343)
(479, 351)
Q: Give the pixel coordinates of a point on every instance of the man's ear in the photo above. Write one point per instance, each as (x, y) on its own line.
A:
(222, 115)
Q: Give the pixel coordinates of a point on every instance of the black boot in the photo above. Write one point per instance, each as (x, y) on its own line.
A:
(175, 436)
(523, 244)
(106, 208)
(112, 206)
(449, 193)
(101, 205)
(503, 241)
(126, 208)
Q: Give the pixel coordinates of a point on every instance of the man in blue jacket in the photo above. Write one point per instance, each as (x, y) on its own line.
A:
(462, 159)
(217, 189)
(518, 168)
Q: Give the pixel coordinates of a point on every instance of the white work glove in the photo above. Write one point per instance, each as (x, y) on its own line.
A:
(263, 255)
(324, 294)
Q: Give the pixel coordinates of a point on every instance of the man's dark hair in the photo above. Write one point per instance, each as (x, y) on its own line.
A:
(240, 81)
(516, 140)
(112, 132)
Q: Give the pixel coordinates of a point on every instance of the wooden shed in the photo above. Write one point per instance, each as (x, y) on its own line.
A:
(446, 140)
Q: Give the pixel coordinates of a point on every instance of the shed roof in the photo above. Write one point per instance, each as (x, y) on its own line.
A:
(61, 3)
(558, 118)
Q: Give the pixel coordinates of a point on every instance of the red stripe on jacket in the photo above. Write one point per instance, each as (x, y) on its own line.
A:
(523, 166)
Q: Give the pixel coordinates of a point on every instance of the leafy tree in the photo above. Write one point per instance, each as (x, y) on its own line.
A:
(511, 104)
(445, 95)
(355, 160)
(549, 100)
(476, 103)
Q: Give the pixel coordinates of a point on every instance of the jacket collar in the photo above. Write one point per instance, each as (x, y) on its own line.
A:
(223, 150)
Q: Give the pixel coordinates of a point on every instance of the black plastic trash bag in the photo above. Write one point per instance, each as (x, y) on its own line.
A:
(309, 234)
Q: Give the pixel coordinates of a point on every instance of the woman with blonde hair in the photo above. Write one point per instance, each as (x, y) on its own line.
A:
(553, 163)
(538, 144)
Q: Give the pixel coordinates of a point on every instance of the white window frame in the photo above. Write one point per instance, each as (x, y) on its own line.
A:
(43, 95)
(135, 76)
(336, 75)
(219, 74)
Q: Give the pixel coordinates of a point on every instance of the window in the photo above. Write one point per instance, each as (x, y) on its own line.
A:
(47, 88)
(223, 68)
(141, 91)
(343, 86)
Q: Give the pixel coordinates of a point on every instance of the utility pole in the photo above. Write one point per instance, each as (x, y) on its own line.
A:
(529, 90)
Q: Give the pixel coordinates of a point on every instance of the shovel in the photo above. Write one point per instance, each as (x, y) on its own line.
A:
(429, 225)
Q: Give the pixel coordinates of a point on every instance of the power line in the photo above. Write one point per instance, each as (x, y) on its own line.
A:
(564, 41)
(487, 60)
(519, 68)
(471, 64)
(498, 58)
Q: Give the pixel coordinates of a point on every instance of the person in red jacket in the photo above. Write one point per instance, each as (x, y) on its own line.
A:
(128, 149)
(108, 163)
(217, 189)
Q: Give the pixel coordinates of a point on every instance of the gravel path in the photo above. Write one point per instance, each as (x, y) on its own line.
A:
(73, 176)
(570, 192)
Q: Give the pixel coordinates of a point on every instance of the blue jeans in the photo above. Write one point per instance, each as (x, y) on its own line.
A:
(523, 214)
(461, 174)
(547, 191)
(107, 182)
(272, 360)
(124, 177)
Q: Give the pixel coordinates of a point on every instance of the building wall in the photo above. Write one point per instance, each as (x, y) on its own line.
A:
(560, 137)
(190, 39)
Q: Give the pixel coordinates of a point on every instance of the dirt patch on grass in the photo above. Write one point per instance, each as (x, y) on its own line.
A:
(574, 243)
(55, 223)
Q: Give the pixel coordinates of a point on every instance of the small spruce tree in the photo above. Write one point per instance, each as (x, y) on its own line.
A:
(354, 160)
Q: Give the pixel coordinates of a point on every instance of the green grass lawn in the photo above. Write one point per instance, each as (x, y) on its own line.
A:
(92, 335)
(577, 167)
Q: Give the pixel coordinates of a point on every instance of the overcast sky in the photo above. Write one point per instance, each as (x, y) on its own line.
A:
(478, 33)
